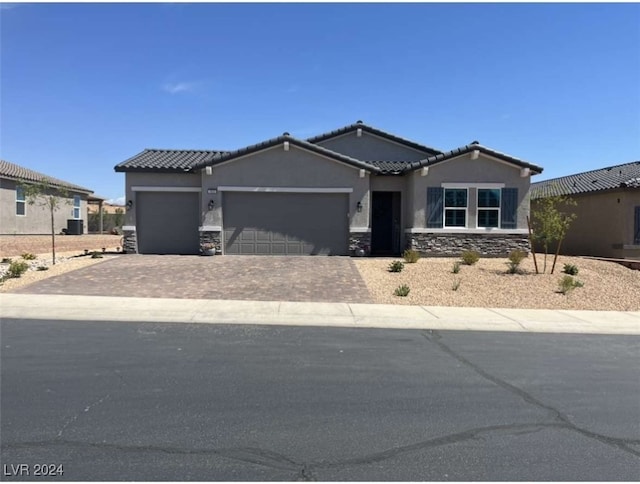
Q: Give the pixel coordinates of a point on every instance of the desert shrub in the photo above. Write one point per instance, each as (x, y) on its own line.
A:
(567, 284)
(42, 268)
(571, 269)
(6, 260)
(96, 255)
(456, 285)
(396, 266)
(470, 257)
(456, 267)
(402, 291)
(411, 256)
(515, 258)
(28, 256)
(17, 268)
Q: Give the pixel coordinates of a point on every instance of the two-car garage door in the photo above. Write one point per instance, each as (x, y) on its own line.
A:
(286, 223)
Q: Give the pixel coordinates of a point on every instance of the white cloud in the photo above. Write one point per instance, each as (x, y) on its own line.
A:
(176, 87)
(116, 201)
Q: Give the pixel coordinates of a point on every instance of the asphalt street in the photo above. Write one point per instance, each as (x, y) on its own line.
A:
(146, 401)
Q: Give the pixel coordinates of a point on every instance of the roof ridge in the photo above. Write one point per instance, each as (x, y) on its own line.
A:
(218, 157)
(31, 175)
(587, 172)
(373, 130)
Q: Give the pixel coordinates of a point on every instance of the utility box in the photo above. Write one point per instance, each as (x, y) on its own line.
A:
(75, 226)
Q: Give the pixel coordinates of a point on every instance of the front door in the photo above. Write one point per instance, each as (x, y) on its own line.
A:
(385, 223)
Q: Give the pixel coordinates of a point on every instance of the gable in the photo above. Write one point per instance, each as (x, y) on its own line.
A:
(370, 147)
(276, 166)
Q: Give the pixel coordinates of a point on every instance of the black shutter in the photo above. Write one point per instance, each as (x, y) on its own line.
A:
(636, 227)
(509, 212)
(435, 200)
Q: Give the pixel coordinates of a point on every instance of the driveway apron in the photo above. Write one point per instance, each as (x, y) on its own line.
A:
(265, 278)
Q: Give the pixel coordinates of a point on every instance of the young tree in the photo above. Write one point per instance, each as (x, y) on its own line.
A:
(43, 194)
(550, 223)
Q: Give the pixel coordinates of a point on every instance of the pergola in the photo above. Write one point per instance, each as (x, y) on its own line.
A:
(99, 201)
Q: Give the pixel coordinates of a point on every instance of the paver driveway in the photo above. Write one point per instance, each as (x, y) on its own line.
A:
(266, 278)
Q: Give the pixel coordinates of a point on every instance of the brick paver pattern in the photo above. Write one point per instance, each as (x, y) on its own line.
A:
(263, 278)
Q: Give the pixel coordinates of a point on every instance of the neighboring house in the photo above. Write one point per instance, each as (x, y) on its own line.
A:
(357, 189)
(18, 217)
(607, 210)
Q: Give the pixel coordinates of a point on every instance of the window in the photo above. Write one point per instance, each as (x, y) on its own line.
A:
(488, 207)
(76, 206)
(455, 207)
(21, 202)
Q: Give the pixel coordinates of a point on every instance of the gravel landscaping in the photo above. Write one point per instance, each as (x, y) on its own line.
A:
(607, 285)
(65, 262)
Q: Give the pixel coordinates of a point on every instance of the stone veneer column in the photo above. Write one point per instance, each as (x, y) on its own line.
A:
(359, 240)
(129, 242)
(452, 245)
(212, 237)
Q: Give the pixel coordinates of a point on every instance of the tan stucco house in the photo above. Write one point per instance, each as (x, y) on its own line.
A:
(356, 190)
(18, 217)
(607, 220)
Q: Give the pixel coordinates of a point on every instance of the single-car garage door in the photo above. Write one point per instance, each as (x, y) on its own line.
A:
(286, 223)
(167, 222)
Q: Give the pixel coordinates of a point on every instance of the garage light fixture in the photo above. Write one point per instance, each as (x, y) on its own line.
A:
(130, 204)
(211, 204)
(358, 207)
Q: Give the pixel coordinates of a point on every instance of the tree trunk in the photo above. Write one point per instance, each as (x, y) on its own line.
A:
(555, 258)
(533, 251)
(53, 238)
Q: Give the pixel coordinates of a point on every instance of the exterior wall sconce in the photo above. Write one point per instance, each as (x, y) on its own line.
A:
(130, 204)
(358, 207)
(211, 204)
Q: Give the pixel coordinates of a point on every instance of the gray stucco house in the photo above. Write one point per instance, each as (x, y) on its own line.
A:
(17, 217)
(353, 190)
(607, 210)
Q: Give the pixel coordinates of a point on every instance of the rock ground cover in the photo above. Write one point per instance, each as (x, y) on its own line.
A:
(607, 285)
(15, 245)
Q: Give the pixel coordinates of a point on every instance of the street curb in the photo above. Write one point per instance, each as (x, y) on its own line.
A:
(202, 311)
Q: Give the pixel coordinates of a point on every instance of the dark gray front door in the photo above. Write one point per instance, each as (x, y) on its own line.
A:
(286, 223)
(167, 222)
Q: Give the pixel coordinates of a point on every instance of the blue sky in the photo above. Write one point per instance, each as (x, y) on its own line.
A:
(85, 86)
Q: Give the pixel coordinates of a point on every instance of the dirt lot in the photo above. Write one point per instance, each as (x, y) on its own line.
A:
(14, 245)
(607, 285)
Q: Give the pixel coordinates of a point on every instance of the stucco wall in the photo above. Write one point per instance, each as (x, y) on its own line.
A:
(275, 167)
(465, 170)
(37, 219)
(371, 147)
(604, 224)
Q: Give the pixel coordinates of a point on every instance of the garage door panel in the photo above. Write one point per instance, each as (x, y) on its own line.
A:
(285, 223)
(167, 222)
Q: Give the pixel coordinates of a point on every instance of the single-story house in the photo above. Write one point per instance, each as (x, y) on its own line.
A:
(607, 220)
(356, 190)
(18, 217)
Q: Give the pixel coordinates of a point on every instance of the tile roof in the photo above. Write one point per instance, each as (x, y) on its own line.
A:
(221, 157)
(166, 160)
(17, 172)
(616, 176)
(475, 146)
(378, 132)
(391, 167)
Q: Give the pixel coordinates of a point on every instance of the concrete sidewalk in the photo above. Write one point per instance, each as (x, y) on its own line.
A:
(99, 308)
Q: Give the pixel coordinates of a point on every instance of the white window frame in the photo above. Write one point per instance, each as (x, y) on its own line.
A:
(496, 209)
(23, 202)
(77, 207)
(445, 208)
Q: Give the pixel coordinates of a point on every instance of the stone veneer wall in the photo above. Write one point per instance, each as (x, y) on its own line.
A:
(452, 245)
(214, 238)
(129, 243)
(360, 240)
